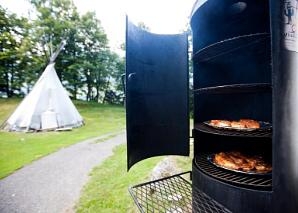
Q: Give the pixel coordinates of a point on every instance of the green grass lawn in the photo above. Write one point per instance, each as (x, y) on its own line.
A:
(19, 149)
(107, 189)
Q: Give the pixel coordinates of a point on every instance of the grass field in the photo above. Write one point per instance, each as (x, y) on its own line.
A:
(19, 149)
(107, 189)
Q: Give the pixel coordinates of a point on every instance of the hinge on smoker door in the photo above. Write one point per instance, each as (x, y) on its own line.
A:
(192, 133)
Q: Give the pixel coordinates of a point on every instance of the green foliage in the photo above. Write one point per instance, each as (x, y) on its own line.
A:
(94, 53)
(14, 52)
(19, 149)
(86, 67)
(112, 98)
(53, 23)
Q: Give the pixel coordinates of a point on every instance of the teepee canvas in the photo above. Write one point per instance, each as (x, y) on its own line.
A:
(46, 107)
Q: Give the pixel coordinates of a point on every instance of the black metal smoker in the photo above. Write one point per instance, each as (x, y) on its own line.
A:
(245, 63)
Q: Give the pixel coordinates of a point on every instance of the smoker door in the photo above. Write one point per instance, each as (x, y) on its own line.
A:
(157, 118)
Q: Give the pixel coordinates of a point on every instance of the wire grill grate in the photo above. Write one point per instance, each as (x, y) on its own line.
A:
(235, 88)
(249, 42)
(255, 133)
(172, 194)
(261, 182)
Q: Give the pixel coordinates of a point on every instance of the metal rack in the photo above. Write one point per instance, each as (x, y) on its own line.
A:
(236, 88)
(229, 45)
(172, 194)
(262, 182)
(255, 133)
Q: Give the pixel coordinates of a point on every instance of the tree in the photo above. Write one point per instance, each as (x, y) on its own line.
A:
(83, 57)
(15, 52)
(93, 46)
(114, 91)
(85, 67)
(55, 22)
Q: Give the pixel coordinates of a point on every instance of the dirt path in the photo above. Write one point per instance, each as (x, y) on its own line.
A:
(53, 183)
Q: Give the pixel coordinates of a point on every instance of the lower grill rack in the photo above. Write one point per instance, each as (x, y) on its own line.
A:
(261, 182)
(173, 195)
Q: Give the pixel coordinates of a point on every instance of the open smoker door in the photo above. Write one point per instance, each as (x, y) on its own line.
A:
(157, 116)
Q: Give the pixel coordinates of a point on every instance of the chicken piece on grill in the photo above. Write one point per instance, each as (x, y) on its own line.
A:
(238, 161)
(237, 125)
(220, 123)
(223, 160)
(263, 167)
(241, 124)
(249, 123)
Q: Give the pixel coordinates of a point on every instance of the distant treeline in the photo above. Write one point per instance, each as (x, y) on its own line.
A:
(86, 66)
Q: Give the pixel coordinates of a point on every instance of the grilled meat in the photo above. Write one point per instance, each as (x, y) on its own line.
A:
(252, 124)
(241, 124)
(237, 125)
(220, 123)
(241, 162)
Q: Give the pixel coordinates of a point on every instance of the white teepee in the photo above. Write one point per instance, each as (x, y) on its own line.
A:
(46, 107)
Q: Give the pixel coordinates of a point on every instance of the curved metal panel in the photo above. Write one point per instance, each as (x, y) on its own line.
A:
(156, 94)
(216, 20)
(285, 113)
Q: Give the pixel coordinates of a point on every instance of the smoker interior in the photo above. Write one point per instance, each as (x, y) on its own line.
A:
(232, 81)
(213, 21)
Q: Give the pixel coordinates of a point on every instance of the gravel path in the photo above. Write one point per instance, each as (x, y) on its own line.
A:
(53, 183)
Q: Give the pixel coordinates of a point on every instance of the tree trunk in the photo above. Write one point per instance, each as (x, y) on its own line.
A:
(88, 91)
(7, 84)
(97, 93)
(75, 92)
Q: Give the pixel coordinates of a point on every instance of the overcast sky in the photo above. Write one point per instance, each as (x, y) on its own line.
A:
(161, 16)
